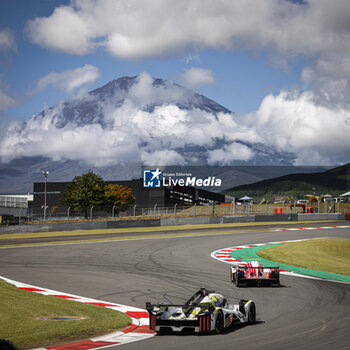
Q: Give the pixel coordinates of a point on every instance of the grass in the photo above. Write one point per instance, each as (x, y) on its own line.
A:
(21, 313)
(328, 255)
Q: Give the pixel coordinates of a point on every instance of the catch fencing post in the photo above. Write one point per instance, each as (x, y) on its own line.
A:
(194, 210)
(113, 212)
(155, 210)
(19, 216)
(175, 210)
(92, 207)
(68, 213)
(133, 212)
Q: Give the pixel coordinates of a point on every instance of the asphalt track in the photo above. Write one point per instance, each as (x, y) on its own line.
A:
(301, 314)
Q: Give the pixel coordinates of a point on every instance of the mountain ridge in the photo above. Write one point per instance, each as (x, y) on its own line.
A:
(127, 123)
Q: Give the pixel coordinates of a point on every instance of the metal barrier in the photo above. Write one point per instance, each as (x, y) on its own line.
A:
(177, 211)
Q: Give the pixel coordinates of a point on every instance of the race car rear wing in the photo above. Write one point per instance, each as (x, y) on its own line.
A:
(244, 266)
(150, 306)
(201, 324)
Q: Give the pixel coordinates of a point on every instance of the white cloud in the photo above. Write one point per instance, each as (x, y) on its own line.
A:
(5, 101)
(163, 157)
(228, 153)
(130, 132)
(69, 80)
(294, 122)
(135, 29)
(329, 79)
(7, 40)
(195, 78)
(317, 29)
(147, 128)
(67, 30)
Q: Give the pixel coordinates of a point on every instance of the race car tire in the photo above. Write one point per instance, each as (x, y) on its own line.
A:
(7, 345)
(232, 276)
(275, 283)
(219, 322)
(252, 314)
(237, 281)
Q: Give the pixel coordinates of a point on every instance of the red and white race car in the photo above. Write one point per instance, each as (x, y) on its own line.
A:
(254, 273)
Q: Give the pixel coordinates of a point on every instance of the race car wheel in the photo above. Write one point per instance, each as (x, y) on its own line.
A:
(7, 345)
(219, 322)
(252, 314)
(237, 281)
(276, 283)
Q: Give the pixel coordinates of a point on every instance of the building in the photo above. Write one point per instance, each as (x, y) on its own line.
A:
(166, 196)
(16, 204)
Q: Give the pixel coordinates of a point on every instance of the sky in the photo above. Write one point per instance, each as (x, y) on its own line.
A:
(283, 67)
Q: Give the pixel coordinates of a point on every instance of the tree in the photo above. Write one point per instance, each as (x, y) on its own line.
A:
(85, 191)
(119, 196)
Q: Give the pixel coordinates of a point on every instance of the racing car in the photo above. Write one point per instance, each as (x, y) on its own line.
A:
(206, 311)
(254, 273)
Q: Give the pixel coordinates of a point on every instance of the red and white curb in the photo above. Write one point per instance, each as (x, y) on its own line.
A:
(137, 330)
(223, 255)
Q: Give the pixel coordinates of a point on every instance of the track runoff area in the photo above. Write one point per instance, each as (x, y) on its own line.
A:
(138, 329)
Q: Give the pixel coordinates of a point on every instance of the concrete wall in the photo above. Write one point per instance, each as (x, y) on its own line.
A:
(228, 219)
(308, 217)
(70, 226)
(100, 225)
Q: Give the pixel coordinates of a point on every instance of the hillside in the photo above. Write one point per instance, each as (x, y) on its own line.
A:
(335, 182)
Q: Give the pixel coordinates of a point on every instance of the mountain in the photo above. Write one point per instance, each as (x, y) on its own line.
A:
(334, 181)
(88, 110)
(129, 122)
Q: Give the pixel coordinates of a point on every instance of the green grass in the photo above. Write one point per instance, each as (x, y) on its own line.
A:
(329, 255)
(20, 313)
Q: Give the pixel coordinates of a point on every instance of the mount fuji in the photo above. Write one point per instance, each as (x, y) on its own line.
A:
(127, 123)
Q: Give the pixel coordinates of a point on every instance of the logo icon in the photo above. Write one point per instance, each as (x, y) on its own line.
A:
(152, 178)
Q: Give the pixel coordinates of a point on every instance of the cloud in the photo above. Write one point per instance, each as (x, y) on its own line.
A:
(318, 30)
(163, 157)
(147, 126)
(129, 131)
(195, 78)
(73, 35)
(295, 122)
(7, 40)
(69, 80)
(227, 154)
(329, 79)
(5, 101)
(134, 29)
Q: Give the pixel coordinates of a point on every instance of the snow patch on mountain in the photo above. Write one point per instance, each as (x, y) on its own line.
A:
(139, 120)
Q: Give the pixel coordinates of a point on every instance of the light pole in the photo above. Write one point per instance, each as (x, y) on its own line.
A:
(45, 173)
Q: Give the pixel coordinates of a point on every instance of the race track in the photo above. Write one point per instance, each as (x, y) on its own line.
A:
(301, 314)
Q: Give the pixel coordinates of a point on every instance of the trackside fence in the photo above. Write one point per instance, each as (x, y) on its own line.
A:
(177, 211)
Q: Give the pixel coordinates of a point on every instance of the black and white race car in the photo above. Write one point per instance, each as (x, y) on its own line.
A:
(206, 311)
